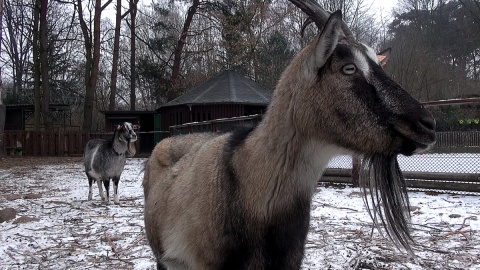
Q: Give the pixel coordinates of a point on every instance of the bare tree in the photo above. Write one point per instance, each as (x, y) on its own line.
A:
(92, 54)
(18, 42)
(37, 94)
(1, 83)
(44, 66)
(179, 49)
(2, 107)
(133, 15)
(116, 45)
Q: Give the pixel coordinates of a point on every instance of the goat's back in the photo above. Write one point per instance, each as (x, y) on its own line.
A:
(177, 193)
(168, 152)
(101, 161)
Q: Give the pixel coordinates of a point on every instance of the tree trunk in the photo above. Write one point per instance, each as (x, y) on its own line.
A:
(172, 92)
(92, 60)
(37, 95)
(44, 66)
(1, 83)
(87, 41)
(133, 15)
(13, 47)
(2, 107)
(116, 45)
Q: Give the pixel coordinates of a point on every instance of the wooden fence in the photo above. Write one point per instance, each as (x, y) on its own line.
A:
(47, 143)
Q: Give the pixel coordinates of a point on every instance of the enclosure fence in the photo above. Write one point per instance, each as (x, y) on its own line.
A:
(67, 143)
(453, 164)
(47, 143)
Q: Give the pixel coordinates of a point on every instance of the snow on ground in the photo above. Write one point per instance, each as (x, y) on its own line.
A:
(57, 228)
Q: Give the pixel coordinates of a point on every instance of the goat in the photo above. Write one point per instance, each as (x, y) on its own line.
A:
(241, 200)
(105, 159)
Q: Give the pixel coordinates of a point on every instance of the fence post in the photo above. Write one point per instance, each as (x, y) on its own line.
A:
(355, 170)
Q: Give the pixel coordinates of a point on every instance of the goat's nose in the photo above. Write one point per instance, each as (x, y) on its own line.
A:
(427, 121)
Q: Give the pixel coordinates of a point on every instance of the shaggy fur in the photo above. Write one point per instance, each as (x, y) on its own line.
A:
(241, 200)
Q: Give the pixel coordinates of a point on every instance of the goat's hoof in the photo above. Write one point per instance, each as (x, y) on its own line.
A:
(89, 197)
(117, 202)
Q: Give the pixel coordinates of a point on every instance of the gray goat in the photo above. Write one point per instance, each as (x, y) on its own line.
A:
(105, 159)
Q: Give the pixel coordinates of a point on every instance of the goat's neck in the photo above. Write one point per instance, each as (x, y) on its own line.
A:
(120, 146)
(279, 164)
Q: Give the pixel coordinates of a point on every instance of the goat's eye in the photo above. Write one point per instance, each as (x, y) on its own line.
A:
(349, 69)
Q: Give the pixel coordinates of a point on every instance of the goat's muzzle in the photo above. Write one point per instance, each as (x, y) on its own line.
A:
(418, 130)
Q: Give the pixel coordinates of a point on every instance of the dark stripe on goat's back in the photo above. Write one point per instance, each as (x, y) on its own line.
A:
(277, 244)
(238, 136)
(235, 232)
(236, 139)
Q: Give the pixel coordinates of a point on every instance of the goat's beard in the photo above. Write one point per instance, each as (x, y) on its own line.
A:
(131, 151)
(387, 202)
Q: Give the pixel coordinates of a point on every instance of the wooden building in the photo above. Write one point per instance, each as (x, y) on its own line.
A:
(20, 116)
(226, 95)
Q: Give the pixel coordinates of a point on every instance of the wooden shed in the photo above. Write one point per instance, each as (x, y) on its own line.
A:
(20, 116)
(228, 94)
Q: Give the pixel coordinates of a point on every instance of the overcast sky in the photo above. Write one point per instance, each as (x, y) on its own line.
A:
(385, 6)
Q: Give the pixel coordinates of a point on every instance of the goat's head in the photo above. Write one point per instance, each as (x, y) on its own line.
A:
(351, 97)
(346, 98)
(125, 134)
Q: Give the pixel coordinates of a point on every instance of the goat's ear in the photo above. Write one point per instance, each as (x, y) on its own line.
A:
(383, 56)
(328, 39)
(117, 127)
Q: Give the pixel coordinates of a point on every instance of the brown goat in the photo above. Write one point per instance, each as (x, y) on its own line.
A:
(241, 200)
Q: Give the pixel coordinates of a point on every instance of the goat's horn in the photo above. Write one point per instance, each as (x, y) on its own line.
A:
(318, 14)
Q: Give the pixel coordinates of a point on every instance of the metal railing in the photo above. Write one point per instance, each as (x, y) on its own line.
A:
(452, 165)
(217, 125)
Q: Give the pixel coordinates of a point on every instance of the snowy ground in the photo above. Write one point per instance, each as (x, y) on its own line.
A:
(57, 228)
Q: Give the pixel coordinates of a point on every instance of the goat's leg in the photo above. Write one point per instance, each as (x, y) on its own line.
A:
(90, 182)
(106, 184)
(100, 189)
(116, 179)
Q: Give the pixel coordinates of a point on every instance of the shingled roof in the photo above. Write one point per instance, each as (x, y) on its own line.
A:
(226, 87)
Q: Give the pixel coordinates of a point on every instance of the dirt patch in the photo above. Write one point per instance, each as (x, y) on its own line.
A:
(7, 214)
(32, 196)
(12, 197)
(25, 219)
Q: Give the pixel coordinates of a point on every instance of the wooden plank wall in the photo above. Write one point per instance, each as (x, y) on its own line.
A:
(49, 143)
